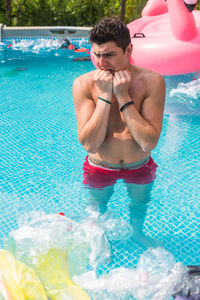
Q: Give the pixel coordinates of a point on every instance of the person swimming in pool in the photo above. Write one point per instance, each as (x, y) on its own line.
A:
(119, 109)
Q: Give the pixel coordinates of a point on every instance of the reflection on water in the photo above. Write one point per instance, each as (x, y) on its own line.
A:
(13, 72)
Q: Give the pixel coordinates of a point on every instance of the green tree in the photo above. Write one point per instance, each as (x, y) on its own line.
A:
(67, 12)
(123, 9)
(8, 10)
(3, 16)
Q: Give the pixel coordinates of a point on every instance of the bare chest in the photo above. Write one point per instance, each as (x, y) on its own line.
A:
(116, 122)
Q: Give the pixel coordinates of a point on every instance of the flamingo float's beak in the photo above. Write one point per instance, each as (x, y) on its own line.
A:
(190, 4)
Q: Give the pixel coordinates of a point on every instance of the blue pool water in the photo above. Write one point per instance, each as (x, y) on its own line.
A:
(41, 158)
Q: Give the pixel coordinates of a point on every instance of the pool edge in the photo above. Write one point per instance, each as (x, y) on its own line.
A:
(44, 31)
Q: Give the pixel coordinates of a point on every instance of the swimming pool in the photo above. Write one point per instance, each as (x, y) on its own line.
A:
(41, 158)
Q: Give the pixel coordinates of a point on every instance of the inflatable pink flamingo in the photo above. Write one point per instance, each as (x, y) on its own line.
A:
(167, 37)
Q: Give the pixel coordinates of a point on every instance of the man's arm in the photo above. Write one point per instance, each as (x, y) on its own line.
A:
(92, 119)
(145, 127)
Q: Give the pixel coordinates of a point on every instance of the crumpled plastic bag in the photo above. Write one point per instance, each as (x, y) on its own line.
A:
(154, 278)
(17, 281)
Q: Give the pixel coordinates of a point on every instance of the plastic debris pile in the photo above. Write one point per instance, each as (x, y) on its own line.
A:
(54, 257)
(42, 45)
(36, 46)
(154, 278)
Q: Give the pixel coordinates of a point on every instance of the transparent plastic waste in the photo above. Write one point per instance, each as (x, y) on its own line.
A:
(188, 93)
(116, 229)
(154, 278)
(37, 235)
(85, 240)
(17, 281)
(65, 253)
(186, 298)
(57, 248)
(159, 272)
(37, 46)
(99, 245)
(189, 287)
(2, 53)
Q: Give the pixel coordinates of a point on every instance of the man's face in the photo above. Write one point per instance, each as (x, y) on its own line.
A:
(110, 57)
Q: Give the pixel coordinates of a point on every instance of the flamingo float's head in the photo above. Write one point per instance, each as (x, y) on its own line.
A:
(190, 4)
(159, 7)
(182, 20)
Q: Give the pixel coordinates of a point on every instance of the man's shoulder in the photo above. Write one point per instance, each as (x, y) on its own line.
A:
(152, 80)
(83, 85)
(86, 78)
(147, 74)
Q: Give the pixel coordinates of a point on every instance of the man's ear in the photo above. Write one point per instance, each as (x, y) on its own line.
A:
(129, 49)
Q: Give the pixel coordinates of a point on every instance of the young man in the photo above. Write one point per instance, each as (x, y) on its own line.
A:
(119, 109)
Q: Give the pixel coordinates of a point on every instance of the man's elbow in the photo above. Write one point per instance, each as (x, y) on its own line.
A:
(90, 148)
(148, 147)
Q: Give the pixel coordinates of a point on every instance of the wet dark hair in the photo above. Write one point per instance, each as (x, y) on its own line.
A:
(111, 30)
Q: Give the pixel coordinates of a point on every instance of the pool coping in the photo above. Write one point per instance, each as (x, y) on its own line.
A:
(44, 31)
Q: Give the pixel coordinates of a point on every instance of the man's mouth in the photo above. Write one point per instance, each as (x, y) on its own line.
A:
(112, 71)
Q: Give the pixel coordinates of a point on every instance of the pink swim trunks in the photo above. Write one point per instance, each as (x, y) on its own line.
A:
(97, 177)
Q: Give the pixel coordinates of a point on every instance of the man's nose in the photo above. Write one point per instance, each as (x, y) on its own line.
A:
(102, 60)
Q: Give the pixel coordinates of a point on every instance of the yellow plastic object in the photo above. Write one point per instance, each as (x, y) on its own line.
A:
(17, 281)
(54, 275)
(4, 292)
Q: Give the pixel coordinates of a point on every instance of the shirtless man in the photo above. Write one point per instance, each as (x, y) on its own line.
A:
(119, 109)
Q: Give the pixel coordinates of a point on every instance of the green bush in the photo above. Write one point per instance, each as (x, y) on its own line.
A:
(66, 12)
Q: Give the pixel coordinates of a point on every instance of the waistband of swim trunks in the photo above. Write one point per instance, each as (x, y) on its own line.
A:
(131, 166)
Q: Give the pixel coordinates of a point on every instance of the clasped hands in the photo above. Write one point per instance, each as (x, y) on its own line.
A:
(117, 83)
